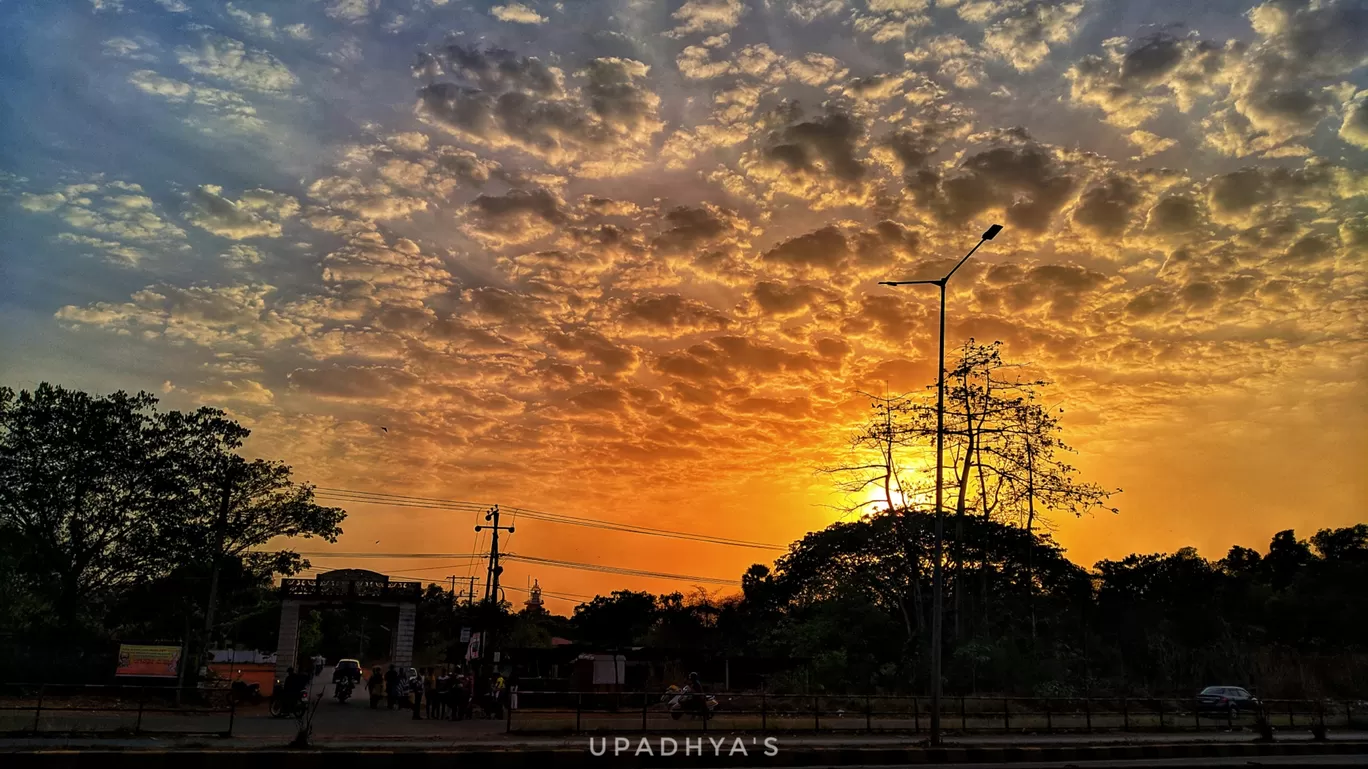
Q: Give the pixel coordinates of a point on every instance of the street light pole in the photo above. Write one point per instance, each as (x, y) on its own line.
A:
(937, 571)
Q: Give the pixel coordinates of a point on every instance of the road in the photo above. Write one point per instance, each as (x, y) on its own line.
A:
(1286, 761)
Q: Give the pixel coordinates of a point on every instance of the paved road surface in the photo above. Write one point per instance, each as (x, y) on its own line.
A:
(1289, 761)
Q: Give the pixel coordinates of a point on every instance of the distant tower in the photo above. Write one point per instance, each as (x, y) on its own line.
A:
(534, 602)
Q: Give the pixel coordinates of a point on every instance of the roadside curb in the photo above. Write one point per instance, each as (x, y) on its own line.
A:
(574, 759)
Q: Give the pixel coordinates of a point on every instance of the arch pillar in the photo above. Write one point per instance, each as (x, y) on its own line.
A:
(287, 646)
(403, 635)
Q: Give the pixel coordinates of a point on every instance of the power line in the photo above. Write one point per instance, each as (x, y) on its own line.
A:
(398, 500)
(425, 568)
(475, 506)
(602, 568)
(474, 551)
(618, 570)
(562, 596)
(391, 556)
(645, 530)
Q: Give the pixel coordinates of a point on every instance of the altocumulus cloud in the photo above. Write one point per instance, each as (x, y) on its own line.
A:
(602, 242)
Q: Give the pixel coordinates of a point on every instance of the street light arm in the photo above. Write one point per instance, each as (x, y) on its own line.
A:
(988, 235)
(965, 259)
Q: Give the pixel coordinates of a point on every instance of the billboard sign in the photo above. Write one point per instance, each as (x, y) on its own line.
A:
(148, 661)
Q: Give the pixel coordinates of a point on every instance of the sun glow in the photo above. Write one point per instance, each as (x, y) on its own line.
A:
(876, 500)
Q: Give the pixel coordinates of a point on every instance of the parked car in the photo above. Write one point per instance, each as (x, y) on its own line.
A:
(1227, 701)
(347, 669)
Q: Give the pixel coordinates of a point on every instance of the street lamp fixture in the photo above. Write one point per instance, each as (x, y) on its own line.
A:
(937, 571)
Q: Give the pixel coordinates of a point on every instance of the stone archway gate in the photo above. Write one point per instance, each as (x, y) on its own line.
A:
(341, 588)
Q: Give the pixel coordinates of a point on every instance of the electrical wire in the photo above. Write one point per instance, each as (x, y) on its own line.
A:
(470, 559)
(618, 570)
(562, 596)
(480, 506)
(398, 500)
(475, 547)
(431, 568)
(391, 556)
(602, 568)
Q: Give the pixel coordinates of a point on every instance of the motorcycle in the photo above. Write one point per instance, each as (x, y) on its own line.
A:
(683, 702)
(246, 693)
(343, 689)
(280, 708)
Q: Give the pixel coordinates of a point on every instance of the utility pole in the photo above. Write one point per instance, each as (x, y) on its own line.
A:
(470, 597)
(452, 579)
(491, 599)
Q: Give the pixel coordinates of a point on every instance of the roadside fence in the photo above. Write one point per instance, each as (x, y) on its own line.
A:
(35, 709)
(552, 712)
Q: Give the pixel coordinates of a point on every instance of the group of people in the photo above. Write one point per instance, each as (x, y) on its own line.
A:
(444, 692)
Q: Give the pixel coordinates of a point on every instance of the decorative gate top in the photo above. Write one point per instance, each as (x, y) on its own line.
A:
(351, 585)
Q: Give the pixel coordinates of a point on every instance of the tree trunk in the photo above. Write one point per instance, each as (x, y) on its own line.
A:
(907, 621)
(890, 465)
(960, 505)
(983, 497)
(917, 605)
(1030, 542)
(225, 505)
(983, 549)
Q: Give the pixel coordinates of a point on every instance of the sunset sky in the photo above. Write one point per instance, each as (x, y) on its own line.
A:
(620, 259)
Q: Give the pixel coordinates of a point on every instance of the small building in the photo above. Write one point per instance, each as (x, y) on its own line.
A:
(600, 673)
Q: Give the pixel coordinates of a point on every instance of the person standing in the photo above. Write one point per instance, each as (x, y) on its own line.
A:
(496, 695)
(391, 687)
(443, 692)
(416, 686)
(460, 696)
(479, 691)
(376, 687)
(430, 689)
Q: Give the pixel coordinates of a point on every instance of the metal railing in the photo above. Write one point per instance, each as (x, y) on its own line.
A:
(761, 711)
(34, 709)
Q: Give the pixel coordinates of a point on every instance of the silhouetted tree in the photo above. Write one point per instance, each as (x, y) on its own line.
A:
(620, 619)
(100, 495)
(86, 495)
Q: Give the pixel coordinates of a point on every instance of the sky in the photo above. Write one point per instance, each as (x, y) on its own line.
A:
(620, 259)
